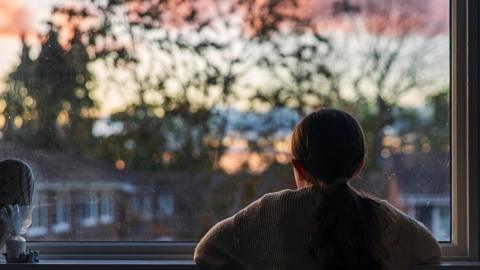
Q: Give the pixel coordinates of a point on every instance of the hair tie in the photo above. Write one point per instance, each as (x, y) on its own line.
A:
(338, 182)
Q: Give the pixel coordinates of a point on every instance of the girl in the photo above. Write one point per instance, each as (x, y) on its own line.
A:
(325, 223)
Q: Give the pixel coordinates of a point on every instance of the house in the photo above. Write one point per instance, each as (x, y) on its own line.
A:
(420, 186)
(79, 199)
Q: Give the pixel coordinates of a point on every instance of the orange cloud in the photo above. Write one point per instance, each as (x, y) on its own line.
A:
(15, 19)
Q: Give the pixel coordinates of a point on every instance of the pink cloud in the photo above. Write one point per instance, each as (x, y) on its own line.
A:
(15, 19)
(392, 17)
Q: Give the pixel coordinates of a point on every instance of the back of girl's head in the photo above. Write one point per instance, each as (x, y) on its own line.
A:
(329, 144)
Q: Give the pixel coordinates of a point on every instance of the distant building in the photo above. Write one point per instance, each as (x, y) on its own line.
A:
(80, 199)
(77, 199)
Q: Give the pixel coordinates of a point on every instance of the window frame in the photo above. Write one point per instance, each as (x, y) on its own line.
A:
(465, 189)
(464, 133)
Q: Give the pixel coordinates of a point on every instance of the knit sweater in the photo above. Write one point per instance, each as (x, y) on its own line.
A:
(272, 232)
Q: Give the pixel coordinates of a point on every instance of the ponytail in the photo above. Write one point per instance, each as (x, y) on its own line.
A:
(330, 146)
(346, 235)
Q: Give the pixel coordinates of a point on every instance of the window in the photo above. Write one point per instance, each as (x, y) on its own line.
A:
(165, 204)
(90, 209)
(39, 227)
(135, 204)
(113, 105)
(62, 213)
(147, 206)
(107, 208)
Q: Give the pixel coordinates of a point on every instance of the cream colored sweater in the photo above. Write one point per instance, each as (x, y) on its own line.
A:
(271, 233)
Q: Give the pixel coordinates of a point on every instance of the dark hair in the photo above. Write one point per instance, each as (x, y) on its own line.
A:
(329, 144)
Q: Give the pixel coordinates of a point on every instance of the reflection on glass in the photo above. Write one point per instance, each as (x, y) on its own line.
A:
(145, 120)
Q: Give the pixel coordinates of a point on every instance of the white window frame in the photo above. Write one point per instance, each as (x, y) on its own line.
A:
(464, 167)
(464, 136)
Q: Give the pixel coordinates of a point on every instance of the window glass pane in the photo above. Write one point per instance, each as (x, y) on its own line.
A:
(145, 120)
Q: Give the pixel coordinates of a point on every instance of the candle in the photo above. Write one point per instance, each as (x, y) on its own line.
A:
(15, 246)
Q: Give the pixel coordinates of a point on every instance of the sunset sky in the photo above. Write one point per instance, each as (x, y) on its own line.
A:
(20, 16)
(29, 16)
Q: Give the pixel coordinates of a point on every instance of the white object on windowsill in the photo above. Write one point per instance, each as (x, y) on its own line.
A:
(15, 246)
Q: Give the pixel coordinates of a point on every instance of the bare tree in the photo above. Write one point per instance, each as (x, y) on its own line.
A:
(394, 44)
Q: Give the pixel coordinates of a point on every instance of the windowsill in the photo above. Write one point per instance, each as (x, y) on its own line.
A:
(457, 265)
(178, 265)
(106, 219)
(89, 222)
(107, 264)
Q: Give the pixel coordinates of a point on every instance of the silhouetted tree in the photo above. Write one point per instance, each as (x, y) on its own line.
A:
(48, 95)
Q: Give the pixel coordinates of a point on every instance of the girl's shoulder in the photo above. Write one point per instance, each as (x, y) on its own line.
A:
(284, 200)
(393, 214)
(277, 208)
(266, 203)
(407, 235)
